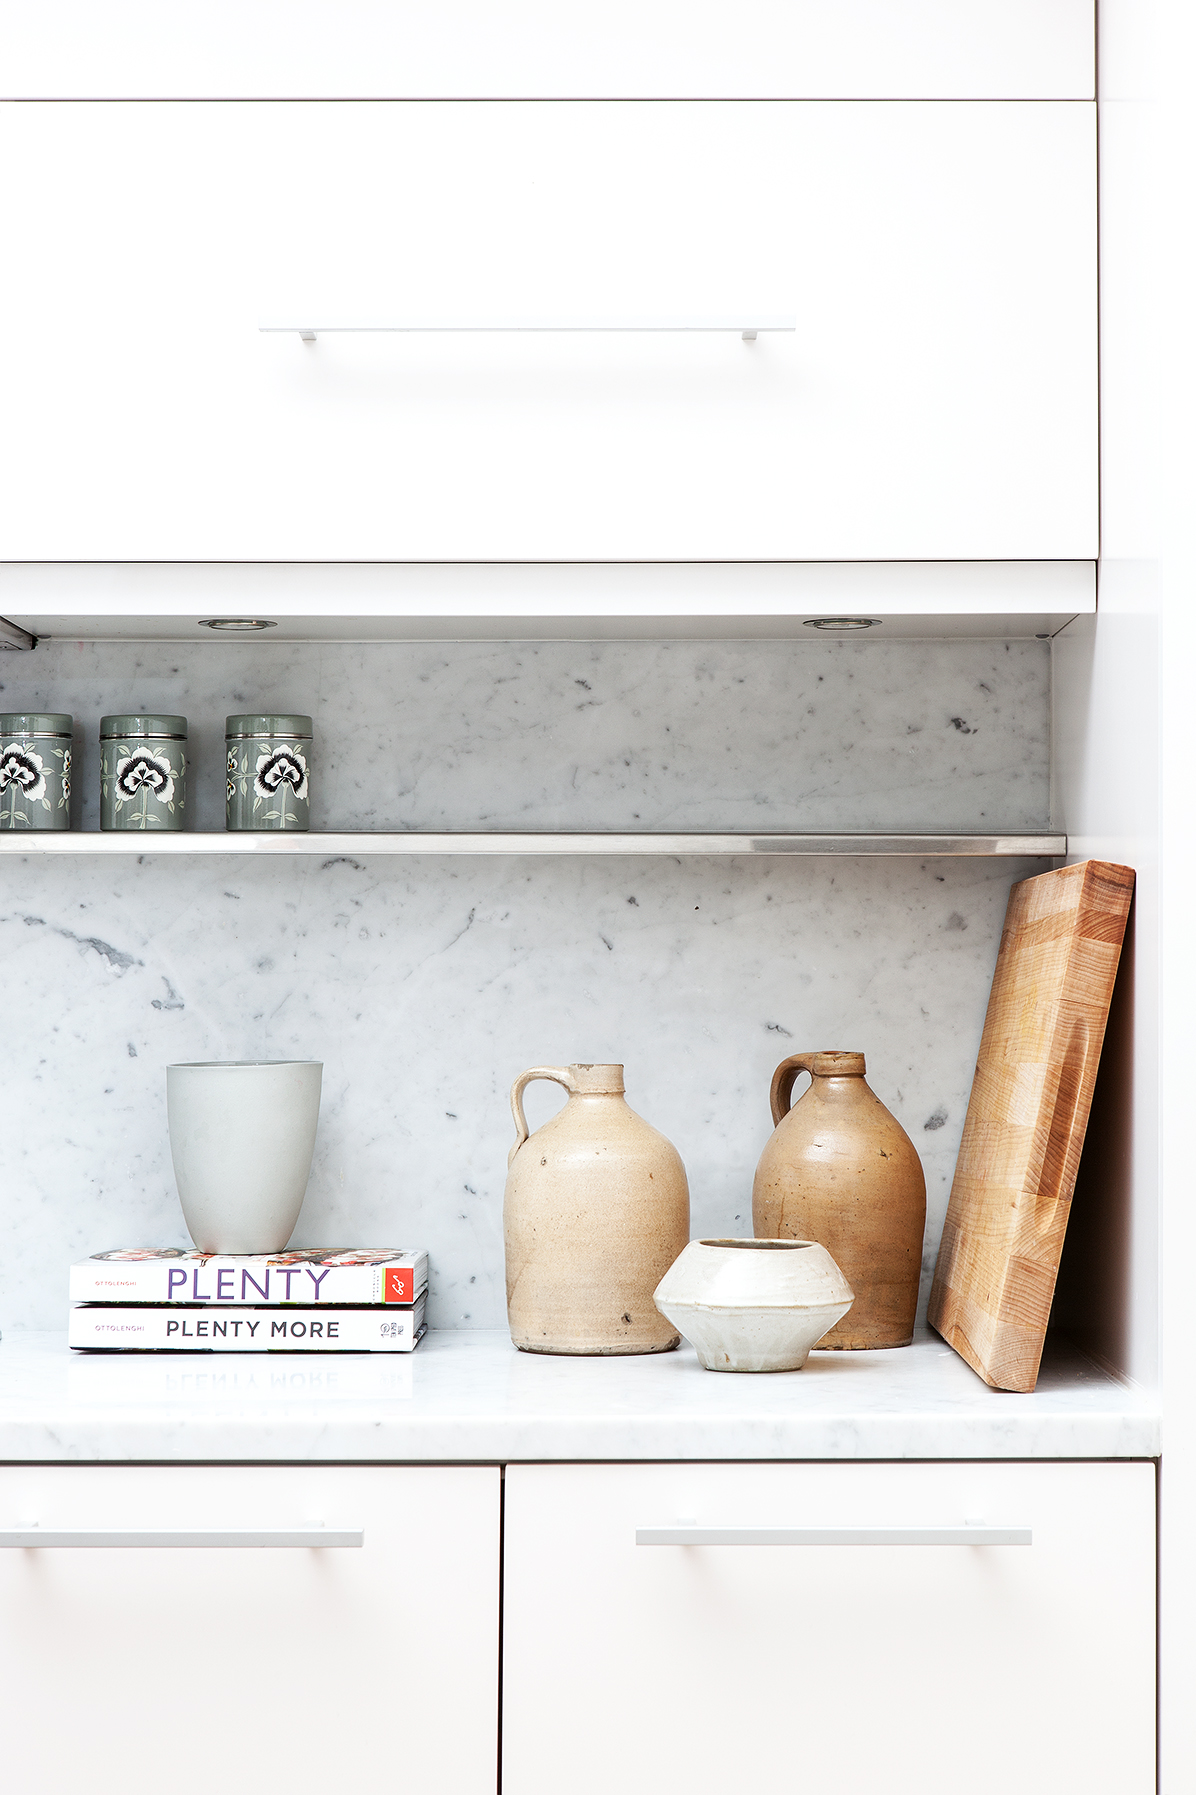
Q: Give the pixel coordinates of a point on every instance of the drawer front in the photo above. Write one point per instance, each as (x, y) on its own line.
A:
(901, 1667)
(936, 400)
(143, 1666)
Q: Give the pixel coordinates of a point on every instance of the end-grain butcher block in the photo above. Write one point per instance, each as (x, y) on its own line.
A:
(1025, 1125)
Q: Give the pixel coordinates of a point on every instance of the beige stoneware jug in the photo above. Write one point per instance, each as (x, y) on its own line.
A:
(841, 1170)
(596, 1210)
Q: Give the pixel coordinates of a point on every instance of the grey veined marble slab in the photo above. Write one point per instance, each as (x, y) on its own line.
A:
(425, 986)
(470, 1397)
(426, 983)
(758, 736)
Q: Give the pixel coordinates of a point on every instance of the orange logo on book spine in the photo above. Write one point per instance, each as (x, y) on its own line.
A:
(400, 1285)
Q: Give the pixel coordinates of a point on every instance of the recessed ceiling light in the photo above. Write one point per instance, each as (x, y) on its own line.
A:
(841, 623)
(236, 623)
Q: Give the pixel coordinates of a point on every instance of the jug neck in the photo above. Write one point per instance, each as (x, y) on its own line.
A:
(832, 1075)
(597, 1081)
(836, 1065)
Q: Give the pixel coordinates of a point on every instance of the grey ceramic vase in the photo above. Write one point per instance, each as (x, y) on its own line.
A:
(267, 771)
(35, 769)
(241, 1137)
(143, 772)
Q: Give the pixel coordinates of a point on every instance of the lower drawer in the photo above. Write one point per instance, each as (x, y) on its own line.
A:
(175, 1661)
(825, 1662)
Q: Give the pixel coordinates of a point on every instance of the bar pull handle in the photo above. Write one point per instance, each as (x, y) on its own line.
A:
(834, 1536)
(43, 1538)
(748, 326)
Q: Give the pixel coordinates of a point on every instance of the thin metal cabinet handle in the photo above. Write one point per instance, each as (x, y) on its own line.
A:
(26, 1538)
(833, 1536)
(747, 325)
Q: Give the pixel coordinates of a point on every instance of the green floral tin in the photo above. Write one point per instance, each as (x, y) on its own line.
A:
(143, 772)
(35, 769)
(266, 772)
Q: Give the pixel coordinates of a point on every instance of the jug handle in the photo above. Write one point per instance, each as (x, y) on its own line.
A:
(782, 1083)
(558, 1074)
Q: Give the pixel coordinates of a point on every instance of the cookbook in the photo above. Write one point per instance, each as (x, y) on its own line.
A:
(165, 1327)
(309, 1275)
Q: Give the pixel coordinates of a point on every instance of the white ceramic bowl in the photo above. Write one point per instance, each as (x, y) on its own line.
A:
(241, 1137)
(753, 1305)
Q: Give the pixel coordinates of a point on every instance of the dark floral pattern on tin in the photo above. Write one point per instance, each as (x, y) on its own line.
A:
(23, 768)
(141, 768)
(280, 767)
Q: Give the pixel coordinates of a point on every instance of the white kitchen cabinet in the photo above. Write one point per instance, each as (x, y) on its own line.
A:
(936, 400)
(919, 49)
(124, 1670)
(370, 601)
(853, 1667)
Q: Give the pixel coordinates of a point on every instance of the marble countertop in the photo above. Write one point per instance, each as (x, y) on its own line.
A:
(469, 1397)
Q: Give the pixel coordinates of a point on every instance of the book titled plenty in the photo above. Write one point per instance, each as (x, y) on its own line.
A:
(165, 1327)
(310, 1275)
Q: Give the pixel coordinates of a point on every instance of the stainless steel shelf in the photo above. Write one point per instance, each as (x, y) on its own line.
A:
(533, 842)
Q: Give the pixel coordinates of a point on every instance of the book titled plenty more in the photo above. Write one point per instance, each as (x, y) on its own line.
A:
(310, 1276)
(174, 1327)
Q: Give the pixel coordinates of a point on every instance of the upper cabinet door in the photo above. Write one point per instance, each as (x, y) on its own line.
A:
(935, 400)
(539, 49)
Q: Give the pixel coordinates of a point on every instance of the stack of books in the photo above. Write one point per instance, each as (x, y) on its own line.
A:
(145, 1299)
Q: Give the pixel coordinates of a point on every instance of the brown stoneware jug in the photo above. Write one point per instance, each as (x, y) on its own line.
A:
(839, 1169)
(596, 1210)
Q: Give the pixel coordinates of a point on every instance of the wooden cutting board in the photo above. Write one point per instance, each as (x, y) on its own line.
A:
(1028, 1111)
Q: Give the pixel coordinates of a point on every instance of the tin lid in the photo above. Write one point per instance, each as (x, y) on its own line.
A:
(36, 723)
(257, 724)
(142, 723)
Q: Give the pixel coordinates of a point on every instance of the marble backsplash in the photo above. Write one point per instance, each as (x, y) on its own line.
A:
(425, 985)
(675, 735)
